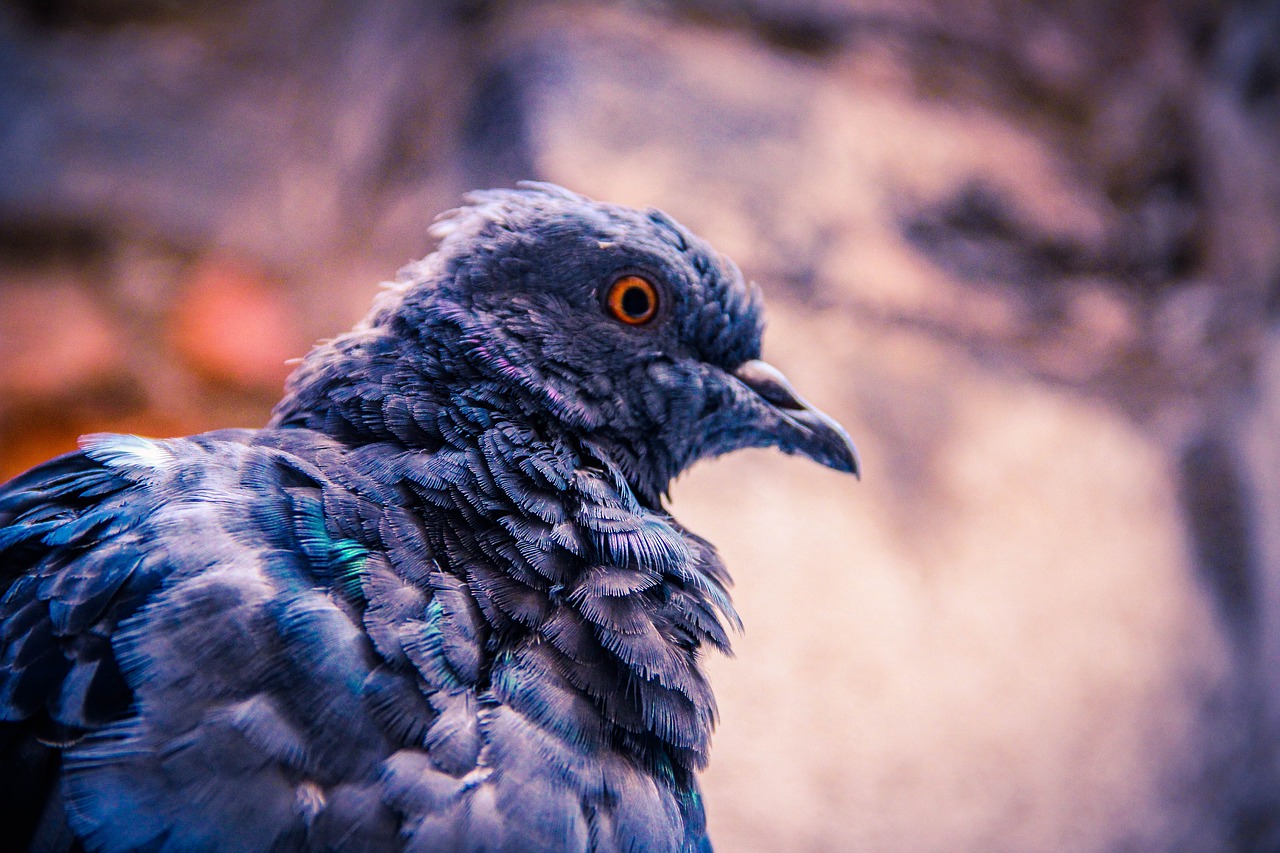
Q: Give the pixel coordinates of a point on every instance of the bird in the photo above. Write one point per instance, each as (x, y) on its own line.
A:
(437, 603)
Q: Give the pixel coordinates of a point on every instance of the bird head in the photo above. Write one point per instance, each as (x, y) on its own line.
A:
(616, 323)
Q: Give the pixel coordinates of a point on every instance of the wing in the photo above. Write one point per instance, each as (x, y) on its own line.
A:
(70, 571)
(180, 643)
(238, 641)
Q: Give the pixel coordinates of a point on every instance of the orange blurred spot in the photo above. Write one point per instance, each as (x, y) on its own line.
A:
(53, 338)
(232, 325)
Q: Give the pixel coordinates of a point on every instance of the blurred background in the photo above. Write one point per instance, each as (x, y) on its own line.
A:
(1027, 252)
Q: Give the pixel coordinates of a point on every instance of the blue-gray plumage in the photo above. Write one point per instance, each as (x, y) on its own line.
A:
(437, 604)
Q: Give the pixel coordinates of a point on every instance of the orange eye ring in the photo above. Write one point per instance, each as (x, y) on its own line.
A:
(632, 300)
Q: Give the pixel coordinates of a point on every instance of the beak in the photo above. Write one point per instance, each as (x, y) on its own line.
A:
(800, 428)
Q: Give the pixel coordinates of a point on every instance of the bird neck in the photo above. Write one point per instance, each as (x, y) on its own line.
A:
(587, 596)
(592, 598)
(403, 381)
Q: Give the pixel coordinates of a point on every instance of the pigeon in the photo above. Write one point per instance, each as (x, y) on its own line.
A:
(437, 603)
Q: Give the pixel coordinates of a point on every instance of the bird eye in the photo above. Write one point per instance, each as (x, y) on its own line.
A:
(633, 300)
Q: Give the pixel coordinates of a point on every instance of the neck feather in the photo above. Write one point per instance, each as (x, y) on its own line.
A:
(594, 603)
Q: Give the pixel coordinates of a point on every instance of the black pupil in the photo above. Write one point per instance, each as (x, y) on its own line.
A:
(635, 302)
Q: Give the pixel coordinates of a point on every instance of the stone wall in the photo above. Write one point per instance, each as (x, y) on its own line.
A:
(1027, 252)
